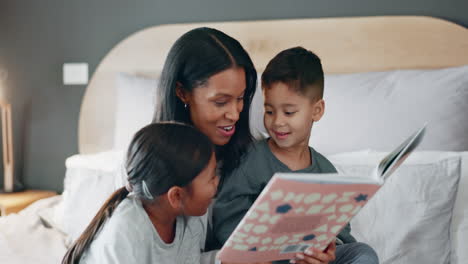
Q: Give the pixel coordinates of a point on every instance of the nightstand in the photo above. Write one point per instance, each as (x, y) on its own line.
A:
(17, 201)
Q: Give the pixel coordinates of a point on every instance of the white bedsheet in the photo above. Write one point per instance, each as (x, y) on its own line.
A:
(25, 237)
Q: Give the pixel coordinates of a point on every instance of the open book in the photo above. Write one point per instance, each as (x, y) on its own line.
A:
(296, 211)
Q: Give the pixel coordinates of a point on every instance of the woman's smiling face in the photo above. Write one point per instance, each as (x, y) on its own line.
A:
(216, 105)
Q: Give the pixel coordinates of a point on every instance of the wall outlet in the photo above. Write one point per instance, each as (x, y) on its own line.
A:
(75, 73)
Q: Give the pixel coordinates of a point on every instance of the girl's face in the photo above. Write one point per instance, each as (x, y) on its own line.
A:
(202, 190)
(215, 106)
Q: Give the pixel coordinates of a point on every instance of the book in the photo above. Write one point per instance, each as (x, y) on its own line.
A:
(298, 211)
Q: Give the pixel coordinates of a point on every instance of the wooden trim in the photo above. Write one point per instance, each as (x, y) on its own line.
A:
(17, 201)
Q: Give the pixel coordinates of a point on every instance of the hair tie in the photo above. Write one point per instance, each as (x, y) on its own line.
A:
(146, 191)
(129, 187)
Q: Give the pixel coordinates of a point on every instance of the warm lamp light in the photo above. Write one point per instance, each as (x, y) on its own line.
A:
(7, 137)
(7, 141)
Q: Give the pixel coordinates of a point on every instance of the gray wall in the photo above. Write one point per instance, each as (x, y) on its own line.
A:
(37, 37)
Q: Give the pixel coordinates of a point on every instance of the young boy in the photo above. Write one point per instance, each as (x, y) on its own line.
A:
(292, 86)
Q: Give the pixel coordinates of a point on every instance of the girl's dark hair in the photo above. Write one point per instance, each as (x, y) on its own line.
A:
(298, 68)
(160, 156)
(192, 60)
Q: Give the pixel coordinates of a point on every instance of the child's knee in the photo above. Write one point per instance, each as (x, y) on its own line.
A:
(365, 253)
(356, 253)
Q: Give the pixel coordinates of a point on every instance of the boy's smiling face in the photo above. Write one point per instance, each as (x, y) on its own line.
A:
(289, 115)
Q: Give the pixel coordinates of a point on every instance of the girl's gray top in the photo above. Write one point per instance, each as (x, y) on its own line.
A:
(130, 237)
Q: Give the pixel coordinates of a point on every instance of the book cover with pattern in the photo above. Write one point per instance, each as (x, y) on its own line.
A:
(291, 216)
(295, 212)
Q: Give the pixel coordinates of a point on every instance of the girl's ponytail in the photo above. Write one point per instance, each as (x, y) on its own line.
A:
(75, 252)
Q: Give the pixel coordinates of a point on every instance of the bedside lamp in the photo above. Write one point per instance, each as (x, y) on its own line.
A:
(7, 137)
(7, 142)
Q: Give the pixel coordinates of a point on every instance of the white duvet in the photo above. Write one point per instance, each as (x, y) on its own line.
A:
(40, 233)
(26, 238)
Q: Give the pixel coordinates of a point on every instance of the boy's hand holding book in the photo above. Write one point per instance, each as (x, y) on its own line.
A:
(315, 256)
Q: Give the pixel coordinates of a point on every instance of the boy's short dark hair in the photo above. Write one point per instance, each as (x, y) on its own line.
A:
(298, 68)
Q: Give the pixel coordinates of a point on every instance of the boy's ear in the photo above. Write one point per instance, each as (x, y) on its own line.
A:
(181, 93)
(318, 110)
(175, 196)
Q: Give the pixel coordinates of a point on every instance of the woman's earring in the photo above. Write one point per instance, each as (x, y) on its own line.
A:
(185, 106)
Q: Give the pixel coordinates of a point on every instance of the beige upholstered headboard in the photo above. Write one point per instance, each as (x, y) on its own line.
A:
(344, 44)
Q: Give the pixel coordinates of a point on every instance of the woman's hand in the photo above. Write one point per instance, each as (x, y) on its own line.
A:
(316, 256)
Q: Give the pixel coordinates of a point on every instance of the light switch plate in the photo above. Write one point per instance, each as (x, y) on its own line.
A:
(75, 73)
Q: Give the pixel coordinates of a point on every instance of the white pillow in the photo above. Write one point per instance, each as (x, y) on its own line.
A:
(377, 110)
(409, 219)
(256, 113)
(89, 181)
(135, 105)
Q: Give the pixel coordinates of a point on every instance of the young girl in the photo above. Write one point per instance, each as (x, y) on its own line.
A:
(171, 171)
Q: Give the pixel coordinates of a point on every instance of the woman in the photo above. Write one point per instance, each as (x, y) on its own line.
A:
(209, 80)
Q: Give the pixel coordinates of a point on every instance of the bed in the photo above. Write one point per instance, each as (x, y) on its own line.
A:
(385, 76)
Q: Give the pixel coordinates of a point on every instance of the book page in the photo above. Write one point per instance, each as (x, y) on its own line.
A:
(393, 160)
